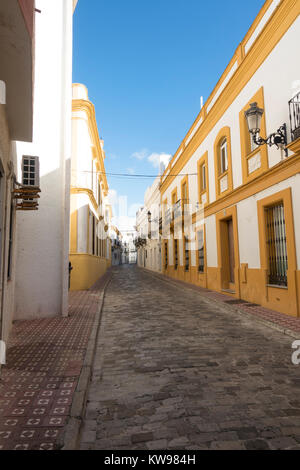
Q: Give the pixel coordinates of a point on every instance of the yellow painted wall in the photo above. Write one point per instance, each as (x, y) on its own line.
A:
(87, 269)
(251, 281)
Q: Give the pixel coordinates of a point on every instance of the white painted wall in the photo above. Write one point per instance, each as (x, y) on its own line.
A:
(43, 236)
(278, 75)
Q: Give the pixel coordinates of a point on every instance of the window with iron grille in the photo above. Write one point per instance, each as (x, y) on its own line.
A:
(176, 253)
(200, 238)
(30, 171)
(187, 255)
(166, 255)
(276, 242)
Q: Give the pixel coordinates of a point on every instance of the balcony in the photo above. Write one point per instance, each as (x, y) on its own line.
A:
(177, 212)
(168, 217)
(294, 108)
(179, 208)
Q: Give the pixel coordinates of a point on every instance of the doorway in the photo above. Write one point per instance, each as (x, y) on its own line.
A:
(228, 252)
(231, 259)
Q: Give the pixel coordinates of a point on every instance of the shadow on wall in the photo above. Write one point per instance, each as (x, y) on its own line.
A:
(42, 262)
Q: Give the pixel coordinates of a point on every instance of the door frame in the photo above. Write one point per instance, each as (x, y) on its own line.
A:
(223, 248)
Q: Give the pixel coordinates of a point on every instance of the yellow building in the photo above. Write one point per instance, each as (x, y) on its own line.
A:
(90, 245)
(247, 245)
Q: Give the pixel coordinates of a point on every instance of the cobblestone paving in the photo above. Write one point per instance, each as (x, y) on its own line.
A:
(174, 371)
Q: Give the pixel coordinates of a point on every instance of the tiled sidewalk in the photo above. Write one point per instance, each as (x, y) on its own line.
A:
(44, 362)
(283, 321)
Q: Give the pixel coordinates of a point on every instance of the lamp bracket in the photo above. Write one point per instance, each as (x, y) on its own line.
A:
(278, 138)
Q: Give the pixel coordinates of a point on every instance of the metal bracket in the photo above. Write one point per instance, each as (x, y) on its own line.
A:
(278, 138)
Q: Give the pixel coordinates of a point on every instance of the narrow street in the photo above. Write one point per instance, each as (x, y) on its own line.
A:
(173, 371)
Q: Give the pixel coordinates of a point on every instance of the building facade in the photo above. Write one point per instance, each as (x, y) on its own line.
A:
(147, 224)
(232, 205)
(90, 244)
(116, 246)
(43, 235)
(17, 45)
(129, 254)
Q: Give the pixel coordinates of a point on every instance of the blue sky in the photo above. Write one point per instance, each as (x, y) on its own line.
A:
(146, 63)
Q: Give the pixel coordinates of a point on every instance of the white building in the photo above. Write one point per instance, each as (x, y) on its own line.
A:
(248, 245)
(129, 255)
(116, 246)
(147, 224)
(16, 116)
(43, 236)
(90, 248)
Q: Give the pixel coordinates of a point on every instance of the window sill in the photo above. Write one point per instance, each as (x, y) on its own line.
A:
(275, 286)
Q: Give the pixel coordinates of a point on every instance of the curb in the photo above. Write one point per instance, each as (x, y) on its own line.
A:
(229, 308)
(70, 438)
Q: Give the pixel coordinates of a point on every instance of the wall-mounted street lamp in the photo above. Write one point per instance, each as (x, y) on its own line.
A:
(279, 138)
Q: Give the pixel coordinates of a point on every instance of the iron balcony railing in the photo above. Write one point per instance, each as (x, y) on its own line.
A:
(294, 108)
(177, 210)
(167, 217)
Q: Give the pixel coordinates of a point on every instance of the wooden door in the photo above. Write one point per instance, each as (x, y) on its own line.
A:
(231, 251)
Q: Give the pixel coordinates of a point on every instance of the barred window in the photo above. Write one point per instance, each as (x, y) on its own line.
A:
(166, 255)
(187, 255)
(277, 247)
(200, 238)
(176, 253)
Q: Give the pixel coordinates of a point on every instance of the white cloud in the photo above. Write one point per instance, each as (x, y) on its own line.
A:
(141, 155)
(157, 158)
(131, 171)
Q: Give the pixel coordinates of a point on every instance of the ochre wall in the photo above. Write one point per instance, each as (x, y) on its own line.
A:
(252, 285)
(87, 269)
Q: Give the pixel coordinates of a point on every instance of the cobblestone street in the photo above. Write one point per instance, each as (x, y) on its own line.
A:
(174, 371)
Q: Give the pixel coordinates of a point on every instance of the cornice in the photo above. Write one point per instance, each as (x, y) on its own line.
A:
(89, 192)
(283, 17)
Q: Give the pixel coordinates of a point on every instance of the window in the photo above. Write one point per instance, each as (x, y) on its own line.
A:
(223, 157)
(99, 195)
(254, 157)
(175, 253)
(30, 171)
(200, 238)
(203, 177)
(166, 255)
(223, 163)
(174, 200)
(276, 244)
(203, 183)
(184, 192)
(184, 195)
(187, 254)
